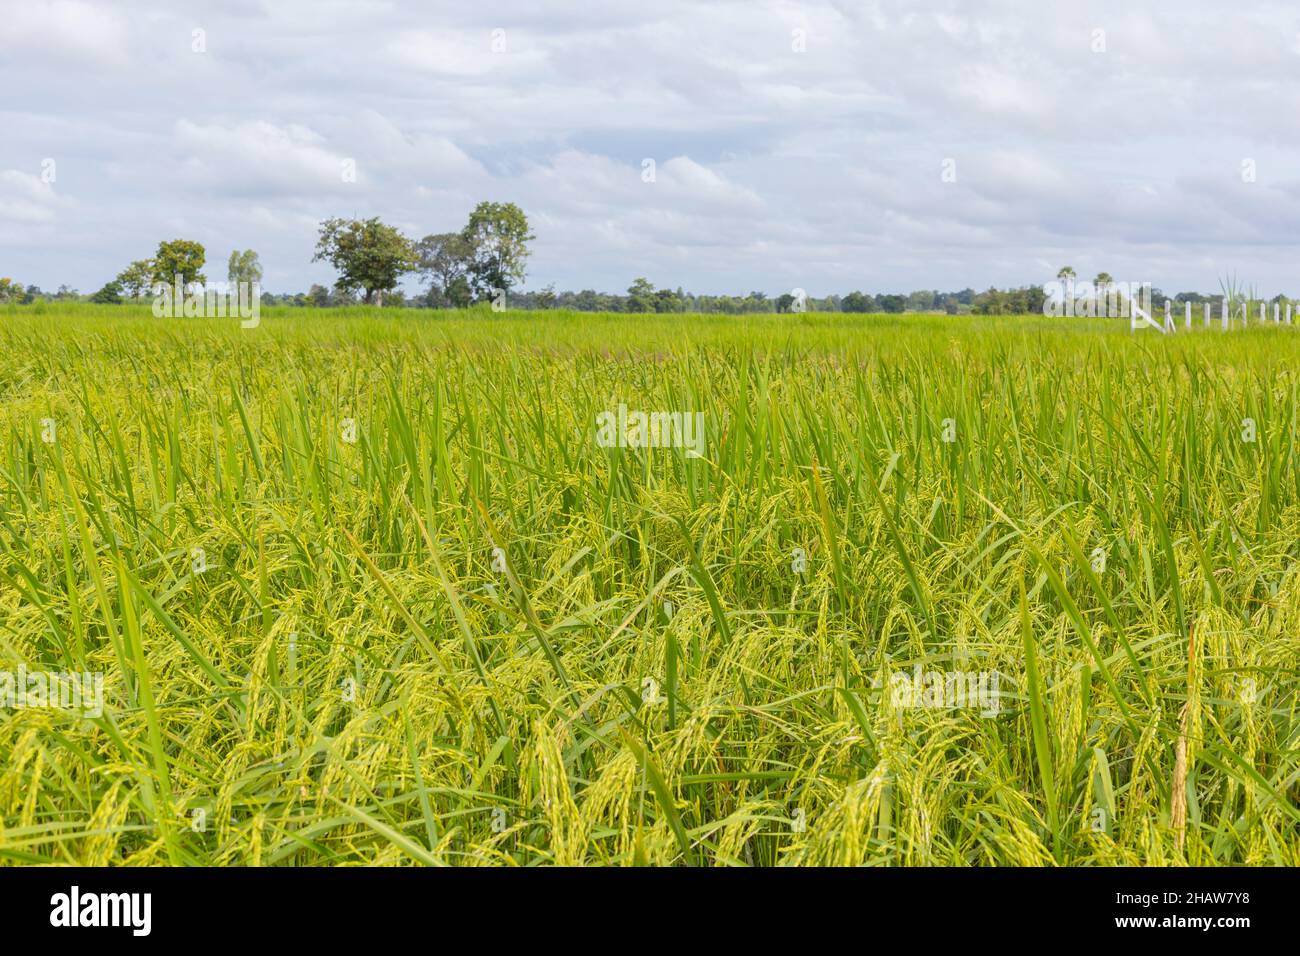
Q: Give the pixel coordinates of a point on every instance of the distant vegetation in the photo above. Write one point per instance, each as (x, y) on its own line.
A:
(485, 262)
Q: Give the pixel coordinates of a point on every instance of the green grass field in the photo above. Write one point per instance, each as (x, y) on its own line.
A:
(312, 655)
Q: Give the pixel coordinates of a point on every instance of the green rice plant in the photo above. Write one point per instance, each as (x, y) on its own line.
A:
(364, 587)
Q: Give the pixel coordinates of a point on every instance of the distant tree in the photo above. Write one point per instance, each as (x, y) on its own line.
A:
(922, 300)
(137, 278)
(318, 296)
(588, 300)
(1034, 299)
(111, 294)
(498, 234)
(180, 257)
(1101, 286)
(667, 300)
(368, 254)
(66, 293)
(641, 296)
(988, 303)
(244, 267)
(10, 291)
(547, 299)
(445, 261)
(1023, 301)
(892, 303)
(857, 302)
(784, 301)
(1067, 275)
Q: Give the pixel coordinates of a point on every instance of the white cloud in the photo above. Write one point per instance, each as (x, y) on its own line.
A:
(26, 200)
(255, 157)
(774, 167)
(63, 30)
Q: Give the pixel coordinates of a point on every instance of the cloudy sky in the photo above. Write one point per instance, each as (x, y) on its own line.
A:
(830, 145)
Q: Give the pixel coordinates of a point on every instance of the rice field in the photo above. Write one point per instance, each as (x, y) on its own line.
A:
(364, 588)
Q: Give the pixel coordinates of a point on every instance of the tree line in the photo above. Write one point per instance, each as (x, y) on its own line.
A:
(485, 262)
(482, 262)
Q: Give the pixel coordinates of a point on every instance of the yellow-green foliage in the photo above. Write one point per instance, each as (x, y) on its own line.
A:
(350, 677)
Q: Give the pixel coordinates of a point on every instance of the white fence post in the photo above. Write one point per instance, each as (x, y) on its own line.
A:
(1140, 316)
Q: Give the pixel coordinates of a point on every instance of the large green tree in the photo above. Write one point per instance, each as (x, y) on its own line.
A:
(180, 257)
(137, 279)
(498, 233)
(641, 295)
(445, 263)
(368, 254)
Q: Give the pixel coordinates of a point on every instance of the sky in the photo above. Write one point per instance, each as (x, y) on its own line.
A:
(723, 147)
